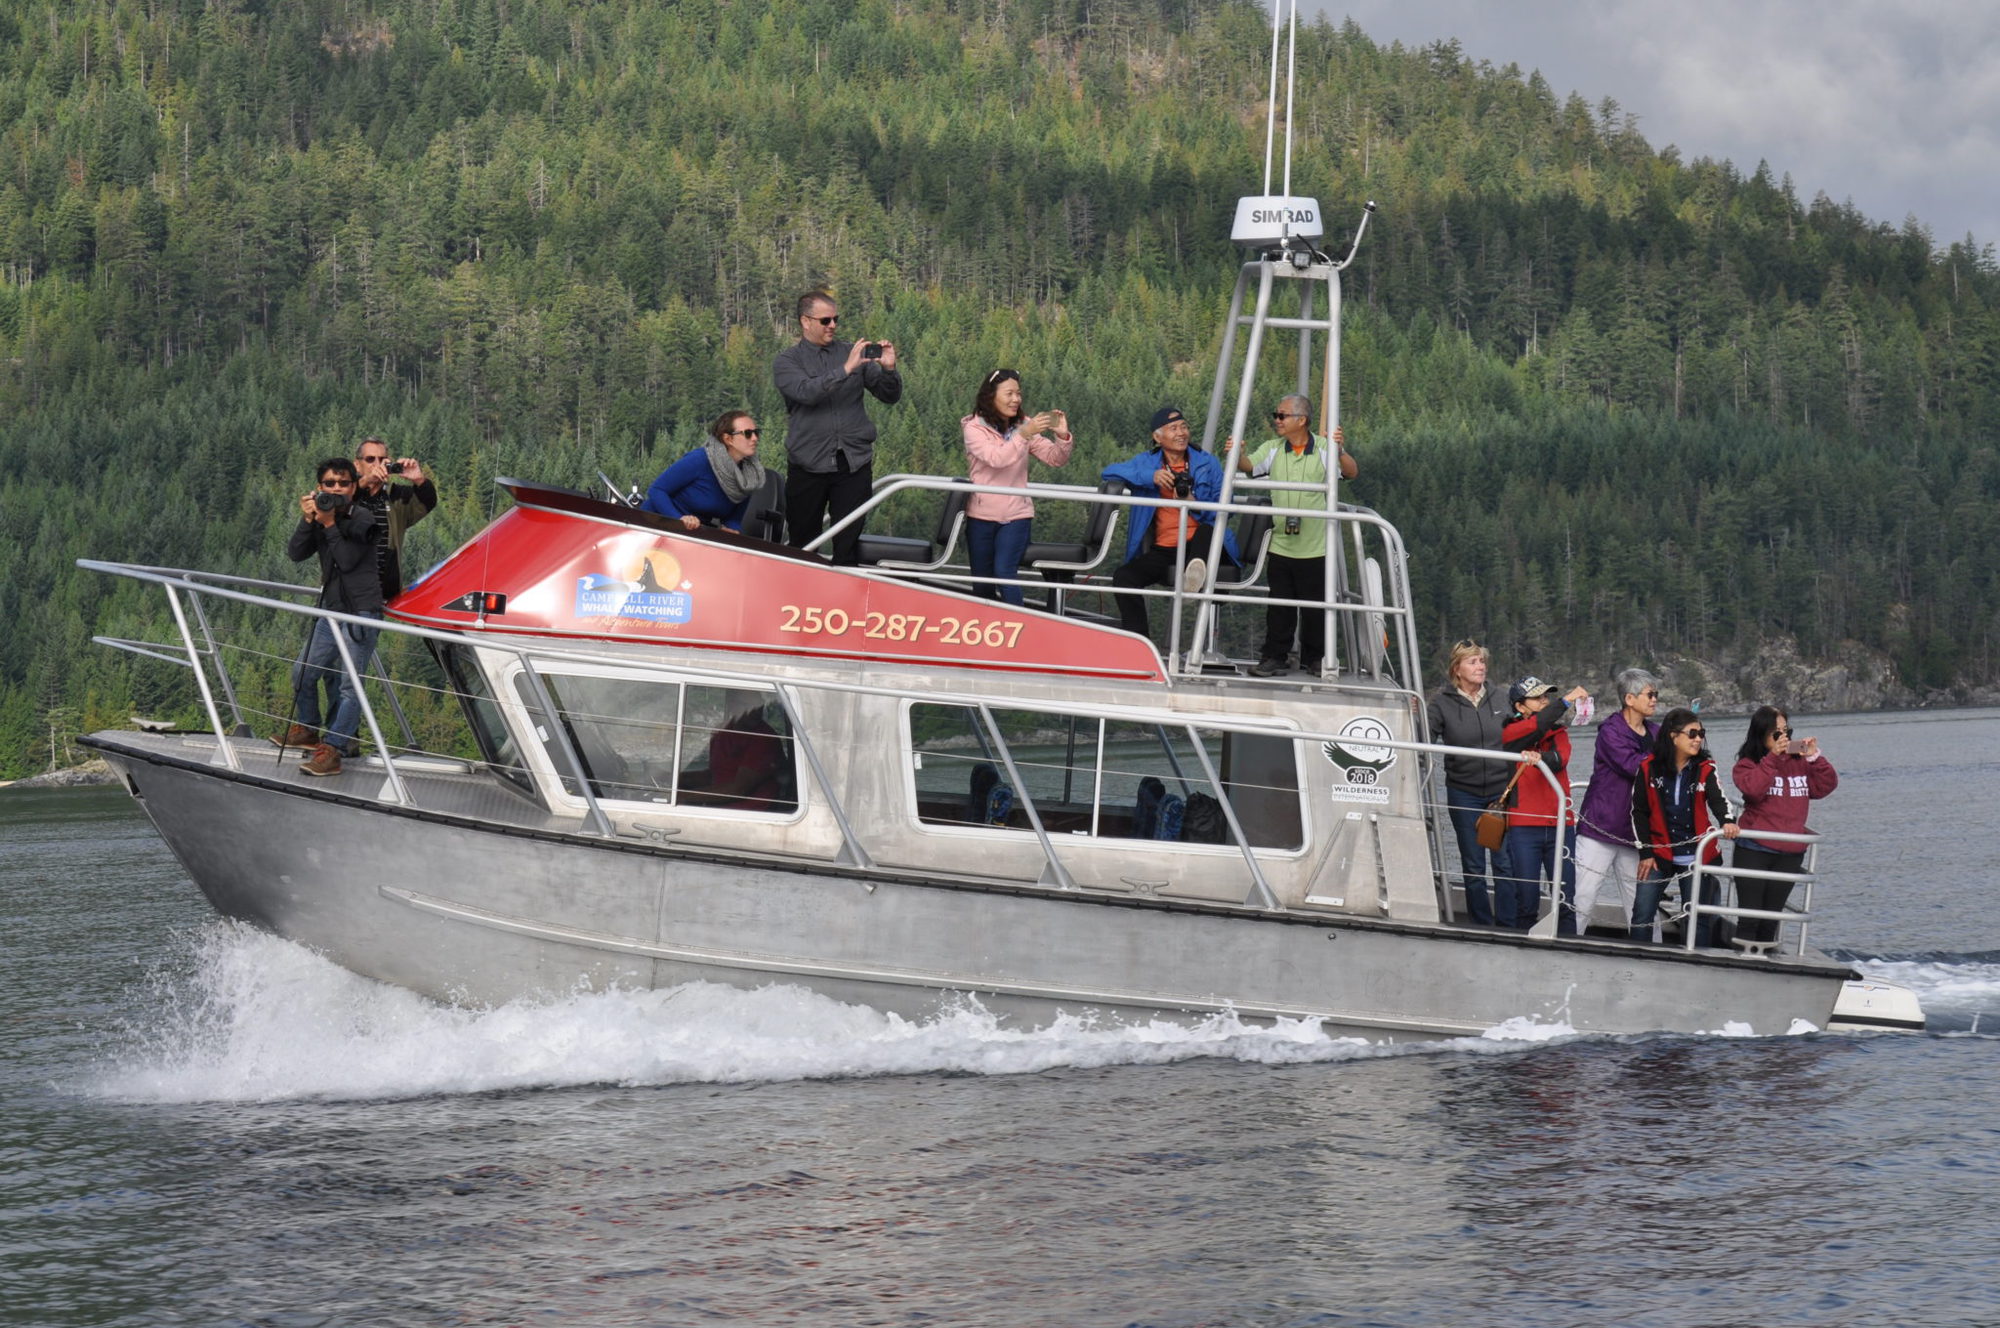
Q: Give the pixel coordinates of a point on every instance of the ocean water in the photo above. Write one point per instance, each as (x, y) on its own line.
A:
(205, 1125)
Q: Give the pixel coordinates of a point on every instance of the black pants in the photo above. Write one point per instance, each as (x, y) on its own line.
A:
(814, 497)
(1768, 895)
(1296, 578)
(1153, 567)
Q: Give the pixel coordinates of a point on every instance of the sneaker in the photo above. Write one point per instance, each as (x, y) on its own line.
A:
(298, 735)
(323, 761)
(1195, 577)
(1268, 668)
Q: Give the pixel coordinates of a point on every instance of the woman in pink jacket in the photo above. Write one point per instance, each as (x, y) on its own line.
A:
(1778, 778)
(998, 441)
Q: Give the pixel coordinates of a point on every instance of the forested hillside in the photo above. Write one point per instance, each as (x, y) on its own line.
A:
(1622, 404)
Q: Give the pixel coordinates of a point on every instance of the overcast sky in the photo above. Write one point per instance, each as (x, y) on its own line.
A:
(1894, 104)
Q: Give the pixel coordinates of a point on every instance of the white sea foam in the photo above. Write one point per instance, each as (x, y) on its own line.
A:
(260, 1019)
(1965, 986)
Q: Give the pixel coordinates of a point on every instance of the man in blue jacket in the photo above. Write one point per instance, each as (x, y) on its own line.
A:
(1174, 470)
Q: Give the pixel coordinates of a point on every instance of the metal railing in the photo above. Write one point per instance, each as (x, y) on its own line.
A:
(535, 658)
(1702, 870)
(1371, 617)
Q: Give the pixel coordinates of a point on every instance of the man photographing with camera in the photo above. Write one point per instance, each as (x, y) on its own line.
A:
(344, 534)
(396, 506)
(1174, 470)
(829, 439)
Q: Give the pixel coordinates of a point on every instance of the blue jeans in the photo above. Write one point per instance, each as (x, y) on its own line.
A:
(1531, 853)
(995, 548)
(320, 666)
(1646, 906)
(1464, 809)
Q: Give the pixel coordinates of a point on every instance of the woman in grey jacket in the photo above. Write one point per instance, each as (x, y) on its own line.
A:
(1467, 713)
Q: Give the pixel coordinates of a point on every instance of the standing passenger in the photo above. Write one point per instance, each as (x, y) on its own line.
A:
(1298, 545)
(998, 441)
(830, 439)
(1465, 713)
(1607, 851)
(1676, 799)
(1532, 829)
(1778, 778)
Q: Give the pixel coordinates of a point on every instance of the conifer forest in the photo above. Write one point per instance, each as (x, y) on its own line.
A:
(1623, 404)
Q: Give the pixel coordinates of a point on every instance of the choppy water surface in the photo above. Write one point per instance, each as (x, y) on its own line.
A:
(204, 1125)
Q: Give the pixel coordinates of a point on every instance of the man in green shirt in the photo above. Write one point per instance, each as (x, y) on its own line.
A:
(1298, 544)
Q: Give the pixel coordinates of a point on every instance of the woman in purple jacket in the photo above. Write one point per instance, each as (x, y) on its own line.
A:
(1607, 851)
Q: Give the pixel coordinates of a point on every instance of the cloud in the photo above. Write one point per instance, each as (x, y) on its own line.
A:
(1892, 103)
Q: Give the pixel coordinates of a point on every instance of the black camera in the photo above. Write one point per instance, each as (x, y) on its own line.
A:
(393, 467)
(329, 502)
(1183, 486)
(871, 350)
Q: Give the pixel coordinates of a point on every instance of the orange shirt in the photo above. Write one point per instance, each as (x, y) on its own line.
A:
(1170, 524)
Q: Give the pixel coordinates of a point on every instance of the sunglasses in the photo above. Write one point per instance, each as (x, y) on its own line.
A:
(1467, 644)
(825, 322)
(1286, 415)
(1781, 733)
(1696, 734)
(746, 433)
(1650, 695)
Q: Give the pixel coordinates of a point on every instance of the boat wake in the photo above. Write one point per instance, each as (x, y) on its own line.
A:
(259, 1019)
(1960, 992)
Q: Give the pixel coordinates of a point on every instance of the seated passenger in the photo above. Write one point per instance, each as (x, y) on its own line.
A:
(1172, 469)
(999, 438)
(1676, 799)
(746, 765)
(712, 485)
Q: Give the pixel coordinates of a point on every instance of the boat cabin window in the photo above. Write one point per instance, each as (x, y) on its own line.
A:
(1102, 778)
(682, 744)
(482, 714)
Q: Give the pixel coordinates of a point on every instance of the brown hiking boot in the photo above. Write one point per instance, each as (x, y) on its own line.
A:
(298, 735)
(323, 761)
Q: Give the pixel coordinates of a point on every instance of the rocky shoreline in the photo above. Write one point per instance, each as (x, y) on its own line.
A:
(77, 776)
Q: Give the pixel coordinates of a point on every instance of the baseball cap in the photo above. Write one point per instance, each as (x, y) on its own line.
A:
(1529, 686)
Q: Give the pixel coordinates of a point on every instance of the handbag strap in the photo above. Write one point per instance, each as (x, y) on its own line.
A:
(1518, 770)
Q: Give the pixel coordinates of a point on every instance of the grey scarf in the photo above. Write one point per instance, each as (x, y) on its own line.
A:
(739, 479)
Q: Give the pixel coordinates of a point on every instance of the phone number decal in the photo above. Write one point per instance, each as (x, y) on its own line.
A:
(946, 631)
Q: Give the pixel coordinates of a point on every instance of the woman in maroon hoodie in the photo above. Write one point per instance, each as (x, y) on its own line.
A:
(1779, 779)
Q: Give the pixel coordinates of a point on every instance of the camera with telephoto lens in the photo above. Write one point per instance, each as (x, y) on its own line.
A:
(1183, 486)
(329, 502)
(393, 467)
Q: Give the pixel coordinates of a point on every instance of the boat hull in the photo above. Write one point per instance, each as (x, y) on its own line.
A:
(472, 912)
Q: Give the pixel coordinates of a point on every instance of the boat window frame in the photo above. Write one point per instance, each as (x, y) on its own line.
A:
(553, 778)
(1018, 834)
(463, 663)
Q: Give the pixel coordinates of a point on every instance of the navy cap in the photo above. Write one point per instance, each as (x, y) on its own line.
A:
(1164, 416)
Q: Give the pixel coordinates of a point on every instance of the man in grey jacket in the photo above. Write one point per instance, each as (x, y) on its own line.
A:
(830, 441)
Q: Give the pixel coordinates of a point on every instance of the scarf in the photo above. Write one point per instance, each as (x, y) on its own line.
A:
(739, 479)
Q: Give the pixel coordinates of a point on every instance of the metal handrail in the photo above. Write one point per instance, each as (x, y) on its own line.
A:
(1701, 869)
(534, 657)
(1345, 515)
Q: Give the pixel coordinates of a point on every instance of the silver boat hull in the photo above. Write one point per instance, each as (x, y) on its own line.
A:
(475, 913)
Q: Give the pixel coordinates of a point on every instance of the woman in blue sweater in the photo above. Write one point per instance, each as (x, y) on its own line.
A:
(712, 484)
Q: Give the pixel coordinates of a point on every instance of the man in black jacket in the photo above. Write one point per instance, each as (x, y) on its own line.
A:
(344, 534)
(397, 506)
(829, 439)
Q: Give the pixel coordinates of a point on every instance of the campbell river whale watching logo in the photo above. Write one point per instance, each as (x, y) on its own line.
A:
(1361, 760)
(650, 591)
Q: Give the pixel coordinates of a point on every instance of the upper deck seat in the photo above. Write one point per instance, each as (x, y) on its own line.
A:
(905, 554)
(1253, 544)
(1059, 561)
(764, 518)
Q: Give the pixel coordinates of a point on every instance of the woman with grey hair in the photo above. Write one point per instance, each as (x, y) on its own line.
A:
(1607, 849)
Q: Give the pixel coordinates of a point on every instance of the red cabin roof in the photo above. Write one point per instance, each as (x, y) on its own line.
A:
(562, 564)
